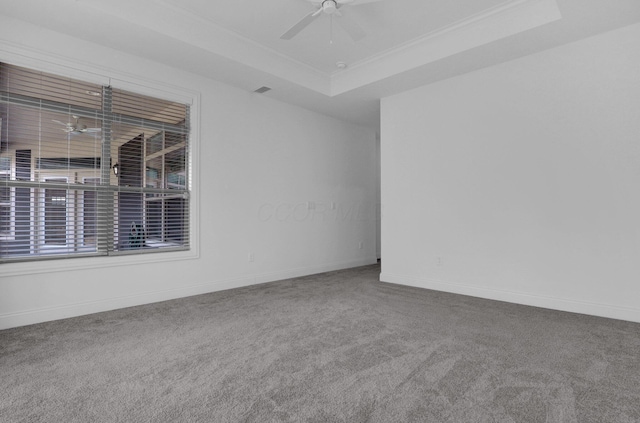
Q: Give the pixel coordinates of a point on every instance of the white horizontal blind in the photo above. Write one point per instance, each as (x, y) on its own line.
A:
(62, 141)
(152, 136)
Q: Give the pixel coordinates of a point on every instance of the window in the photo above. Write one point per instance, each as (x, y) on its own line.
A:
(163, 169)
(87, 169)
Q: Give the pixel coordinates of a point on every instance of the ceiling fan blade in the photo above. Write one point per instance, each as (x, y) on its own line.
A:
(302, 24)
(352, 28)
(92, 130)
(61, 123)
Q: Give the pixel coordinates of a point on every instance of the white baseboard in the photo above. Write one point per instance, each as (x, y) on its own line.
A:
(29, 317)
(304, 271)
(554, 303)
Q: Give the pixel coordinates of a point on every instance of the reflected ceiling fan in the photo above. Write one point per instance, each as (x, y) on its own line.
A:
(330, 8)
(76, 128)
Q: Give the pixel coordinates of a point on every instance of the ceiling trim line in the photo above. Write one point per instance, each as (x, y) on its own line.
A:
(214, 39)
(245, 40)
(498, 22)
(506, 7)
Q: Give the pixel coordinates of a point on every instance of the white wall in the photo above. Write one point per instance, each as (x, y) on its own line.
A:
(521, 182)
(258, 163)
(378, 199)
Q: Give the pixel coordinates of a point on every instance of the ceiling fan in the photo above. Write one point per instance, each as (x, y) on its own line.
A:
(76, 128)
(330, 8)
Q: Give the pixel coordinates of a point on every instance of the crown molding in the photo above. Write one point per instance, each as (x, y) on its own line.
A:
(504, 20)
(177, 22)
(221, 44)
(188, 27)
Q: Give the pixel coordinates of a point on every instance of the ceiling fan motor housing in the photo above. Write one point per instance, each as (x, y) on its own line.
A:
(329, 6)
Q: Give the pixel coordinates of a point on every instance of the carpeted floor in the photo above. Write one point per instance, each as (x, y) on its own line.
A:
(334, 347)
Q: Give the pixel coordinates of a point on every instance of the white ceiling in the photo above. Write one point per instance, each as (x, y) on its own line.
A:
(408, 43)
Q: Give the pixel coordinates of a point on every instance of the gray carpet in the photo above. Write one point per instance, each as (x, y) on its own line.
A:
(334, 347)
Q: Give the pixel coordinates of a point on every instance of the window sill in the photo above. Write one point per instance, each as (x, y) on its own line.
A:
(93, 262)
